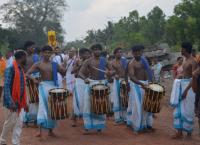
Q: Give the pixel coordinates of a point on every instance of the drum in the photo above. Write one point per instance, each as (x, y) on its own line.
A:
(123, 95)
(57, 103)
(153, 97)
(100, 102)
(33, 90)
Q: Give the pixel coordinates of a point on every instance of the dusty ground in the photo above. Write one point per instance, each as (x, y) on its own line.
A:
(112, 135)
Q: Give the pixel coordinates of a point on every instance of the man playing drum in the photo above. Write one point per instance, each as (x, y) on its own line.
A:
(96, 66)
(49, 80)
(32, 58)
(138, 73)
(182, 96)
(79, 85)
(119, 65)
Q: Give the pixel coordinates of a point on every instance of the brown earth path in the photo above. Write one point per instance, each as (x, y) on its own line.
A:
(112, 135)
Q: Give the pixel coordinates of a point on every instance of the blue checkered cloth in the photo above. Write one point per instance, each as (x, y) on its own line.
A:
(8, 83)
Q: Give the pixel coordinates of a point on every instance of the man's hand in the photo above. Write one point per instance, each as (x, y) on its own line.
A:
(117, 77)
(144, 86)
(108, 73)
(87, 81)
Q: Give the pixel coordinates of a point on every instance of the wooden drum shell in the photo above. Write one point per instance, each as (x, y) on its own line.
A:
(152, 100)
(57, 103)
(100, 102)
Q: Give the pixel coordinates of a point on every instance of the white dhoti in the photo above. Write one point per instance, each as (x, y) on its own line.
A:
(13, 122)
(120, 113)
(78, 96)
(184, 109)
(139, 119)
(92, 121)
(70, 82)
(43, 118)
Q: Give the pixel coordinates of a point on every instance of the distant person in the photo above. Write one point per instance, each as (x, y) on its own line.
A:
(178, 67)
(157, 68)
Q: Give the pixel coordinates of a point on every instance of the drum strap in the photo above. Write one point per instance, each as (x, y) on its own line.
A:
(55, 70)
(102, 66)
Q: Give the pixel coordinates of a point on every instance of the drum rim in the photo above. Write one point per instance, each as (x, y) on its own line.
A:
(156, 84)
(50, 91)
(101, 84)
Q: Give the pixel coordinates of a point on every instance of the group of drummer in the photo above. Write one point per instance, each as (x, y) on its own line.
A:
(81, 75)
(93, 72)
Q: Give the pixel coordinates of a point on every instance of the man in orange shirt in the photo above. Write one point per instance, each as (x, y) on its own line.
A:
(2, 69)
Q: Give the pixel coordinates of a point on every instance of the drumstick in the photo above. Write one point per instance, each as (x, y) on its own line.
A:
(99, 69)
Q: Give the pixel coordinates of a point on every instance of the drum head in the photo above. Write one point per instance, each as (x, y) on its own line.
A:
(156, 87)
(99, 87)
(58, 90)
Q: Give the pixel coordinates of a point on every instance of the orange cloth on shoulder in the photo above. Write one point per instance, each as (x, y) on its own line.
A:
(16, 91)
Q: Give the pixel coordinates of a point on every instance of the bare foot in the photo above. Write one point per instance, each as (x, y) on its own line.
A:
(150, 129)
(51, 134)
(73, 124)
(39, 135)
(177, 136)
(85, 132)
(99, 131)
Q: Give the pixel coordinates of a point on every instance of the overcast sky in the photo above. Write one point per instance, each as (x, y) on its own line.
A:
(83, 15)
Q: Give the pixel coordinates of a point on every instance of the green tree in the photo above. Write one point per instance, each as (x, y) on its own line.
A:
(31, 19)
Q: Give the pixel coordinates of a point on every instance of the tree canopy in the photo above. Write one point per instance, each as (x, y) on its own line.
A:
(31, 19)
(155, 27)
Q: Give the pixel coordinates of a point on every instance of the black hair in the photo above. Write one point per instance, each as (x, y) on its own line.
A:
(187, 46)
(96, 46)
(137, 48)
(179, 58)
(28, 44)
(19, 54)
(84, 50)
(116, 50)
(47, 48)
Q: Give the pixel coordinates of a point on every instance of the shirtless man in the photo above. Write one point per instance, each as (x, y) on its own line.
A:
(137, 118)
(48, 71)
(119, 65)
(183, 102)
(98, 68)
(32, 58)
(78, 93)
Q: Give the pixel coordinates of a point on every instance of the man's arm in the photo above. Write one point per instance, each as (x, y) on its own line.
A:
(34, 68)
(61, 70)
(194, 67)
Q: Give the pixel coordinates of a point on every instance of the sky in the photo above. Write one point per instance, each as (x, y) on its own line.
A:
(83, 15)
